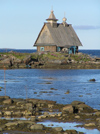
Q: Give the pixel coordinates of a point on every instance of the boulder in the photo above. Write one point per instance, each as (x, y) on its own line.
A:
(92, 80)
(72, 132)
(68, 108)
(58, 129)
(98, 119)
(2, 98)
(0, 113)
(29, 106)
(25, 122)
(28, 113)
(77, 117)
(59, 114)
(7, 113)
(17, 61)
(33, 118)
(10, 124)
(74, 103)
(84, 107)
(55, 61)
(8, 101)
(6, 61)
(50, 106)
(97, 113)
(46, 114)
(27, 59)
(17, 113)
(81, 106)
(89, 125)
(37, 127)
(12, 107)
(43, 116)
(40, 117)
(52, 115)
(1, 129)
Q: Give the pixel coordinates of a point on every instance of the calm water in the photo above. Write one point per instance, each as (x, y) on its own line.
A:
(70, 126)
(39, 82)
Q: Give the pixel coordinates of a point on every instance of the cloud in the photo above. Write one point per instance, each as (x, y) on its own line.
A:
(86, 27)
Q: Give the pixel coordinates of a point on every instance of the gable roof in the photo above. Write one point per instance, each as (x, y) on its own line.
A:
(63, 36)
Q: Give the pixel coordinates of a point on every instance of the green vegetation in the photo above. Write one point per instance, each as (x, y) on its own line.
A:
(82, 57)
(45, 56)
(62, 56)
(16, 55)
(52, 56)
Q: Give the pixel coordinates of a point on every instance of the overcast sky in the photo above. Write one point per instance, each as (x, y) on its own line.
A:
(22, 20)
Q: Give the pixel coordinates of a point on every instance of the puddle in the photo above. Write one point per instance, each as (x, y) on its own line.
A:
(69, 126)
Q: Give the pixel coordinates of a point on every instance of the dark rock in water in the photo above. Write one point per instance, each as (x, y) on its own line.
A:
(8, 101)
(89, 124)
(2, 98)
(92, 80)
(58, 129)
(77, 103)
(72, 132)
(81, 106)
(68, 108)
(37, 127)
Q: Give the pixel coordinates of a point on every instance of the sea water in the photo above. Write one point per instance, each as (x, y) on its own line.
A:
(52, 84)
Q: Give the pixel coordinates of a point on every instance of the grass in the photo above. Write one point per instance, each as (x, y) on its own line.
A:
(52, 56)
(45, 56)
(82, 57)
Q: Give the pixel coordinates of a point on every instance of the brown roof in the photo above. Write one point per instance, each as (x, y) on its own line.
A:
(63, 36)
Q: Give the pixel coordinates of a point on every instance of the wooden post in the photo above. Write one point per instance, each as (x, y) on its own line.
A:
(26, 91)
(5, 80)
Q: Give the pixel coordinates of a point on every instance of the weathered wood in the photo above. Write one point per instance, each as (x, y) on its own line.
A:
(60, 36)
(47, 48)
(45, 36)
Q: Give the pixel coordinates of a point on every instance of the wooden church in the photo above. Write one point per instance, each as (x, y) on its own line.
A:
(56, 37)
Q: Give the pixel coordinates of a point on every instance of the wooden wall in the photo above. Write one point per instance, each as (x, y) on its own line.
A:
(47, 48)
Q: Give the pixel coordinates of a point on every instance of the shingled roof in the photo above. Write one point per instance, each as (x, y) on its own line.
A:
(64, 36)
(61, 35)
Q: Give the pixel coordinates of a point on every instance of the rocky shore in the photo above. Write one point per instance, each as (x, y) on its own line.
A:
(56, 60)
(35, 112)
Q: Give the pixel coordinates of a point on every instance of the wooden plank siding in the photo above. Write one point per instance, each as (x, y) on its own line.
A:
(47, 48)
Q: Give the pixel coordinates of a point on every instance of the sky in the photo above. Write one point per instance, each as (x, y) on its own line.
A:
(22, 20)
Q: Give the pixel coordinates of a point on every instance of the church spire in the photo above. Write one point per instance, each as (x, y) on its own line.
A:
(64, 20)
(52, 19)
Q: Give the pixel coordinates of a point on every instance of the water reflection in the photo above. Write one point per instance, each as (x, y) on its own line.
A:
(69, 126)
